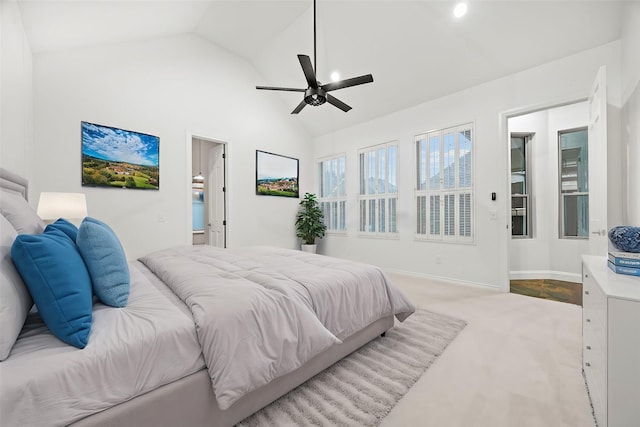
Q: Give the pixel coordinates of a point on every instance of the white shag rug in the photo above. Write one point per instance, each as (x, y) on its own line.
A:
(361, 389)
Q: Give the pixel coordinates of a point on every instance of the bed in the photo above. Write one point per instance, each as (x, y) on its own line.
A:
(207, 337)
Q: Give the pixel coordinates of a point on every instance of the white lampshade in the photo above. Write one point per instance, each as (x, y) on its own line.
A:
(70, 206)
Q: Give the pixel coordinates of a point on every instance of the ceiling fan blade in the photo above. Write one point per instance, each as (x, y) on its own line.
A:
(337, 103)
(341, 84)
(288, 89)
(299, 107)
(307, 69)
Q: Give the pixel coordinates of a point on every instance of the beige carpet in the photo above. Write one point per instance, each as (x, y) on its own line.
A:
(361, 389)
(516, 363)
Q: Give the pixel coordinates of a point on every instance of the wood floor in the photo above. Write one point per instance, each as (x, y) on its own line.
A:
(556, 290)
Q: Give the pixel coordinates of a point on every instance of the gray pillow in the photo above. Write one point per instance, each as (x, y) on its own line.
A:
(18, 212)
(15, 300)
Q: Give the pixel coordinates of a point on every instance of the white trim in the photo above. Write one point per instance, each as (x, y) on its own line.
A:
(333, 156)
(188, 188)
(442, 279)
(227, 206)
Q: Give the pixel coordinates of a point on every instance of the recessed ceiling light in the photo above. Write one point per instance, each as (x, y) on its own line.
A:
(335, 76)
(460, 10)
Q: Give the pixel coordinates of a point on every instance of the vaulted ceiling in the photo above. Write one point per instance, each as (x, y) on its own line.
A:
(416, 50)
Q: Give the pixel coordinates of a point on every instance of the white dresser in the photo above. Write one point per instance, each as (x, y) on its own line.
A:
(611, 343)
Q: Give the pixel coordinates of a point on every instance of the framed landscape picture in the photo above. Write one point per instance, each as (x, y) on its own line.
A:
(119, 158)
(276, 175)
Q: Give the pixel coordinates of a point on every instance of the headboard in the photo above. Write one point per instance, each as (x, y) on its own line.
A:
(14, 182)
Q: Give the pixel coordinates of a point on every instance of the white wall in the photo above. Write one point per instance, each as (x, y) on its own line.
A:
(167, 87)
(545, 255)
(16, 95)
(480, 263)
(630, 128)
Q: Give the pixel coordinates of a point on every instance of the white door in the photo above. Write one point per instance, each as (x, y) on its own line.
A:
(598, 165)
(216, 207)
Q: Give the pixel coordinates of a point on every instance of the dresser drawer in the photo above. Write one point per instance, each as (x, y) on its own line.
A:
(594, 327)
(594, 344)
(611, 343)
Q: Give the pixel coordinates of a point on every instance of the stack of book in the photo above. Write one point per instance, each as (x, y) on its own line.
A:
(624, 262)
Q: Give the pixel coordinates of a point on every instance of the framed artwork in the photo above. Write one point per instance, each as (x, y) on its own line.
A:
(119, 158)
(276, 175)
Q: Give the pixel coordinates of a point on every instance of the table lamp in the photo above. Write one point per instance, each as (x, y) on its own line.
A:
(70, 206)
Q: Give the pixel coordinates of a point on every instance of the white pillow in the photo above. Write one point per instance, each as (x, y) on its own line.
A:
(15, 300)
(20, 215)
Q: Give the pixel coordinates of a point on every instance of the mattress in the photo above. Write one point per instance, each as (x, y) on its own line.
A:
(131, 351)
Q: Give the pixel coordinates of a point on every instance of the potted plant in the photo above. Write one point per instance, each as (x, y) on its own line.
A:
(309, 223)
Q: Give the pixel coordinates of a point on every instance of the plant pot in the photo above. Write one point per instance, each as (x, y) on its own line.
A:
(308, 248)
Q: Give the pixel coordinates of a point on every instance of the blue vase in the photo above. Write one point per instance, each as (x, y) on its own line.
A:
(625, 238)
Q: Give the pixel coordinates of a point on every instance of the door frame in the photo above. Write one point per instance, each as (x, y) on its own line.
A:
(505, 166)
(190, 135)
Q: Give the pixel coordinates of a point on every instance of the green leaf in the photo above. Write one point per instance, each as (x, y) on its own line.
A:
(309, 225)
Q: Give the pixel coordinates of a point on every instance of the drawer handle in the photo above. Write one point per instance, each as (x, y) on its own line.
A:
(586, 275)
(586, 292)
(588, 364)
(588, 320)
(588, 347)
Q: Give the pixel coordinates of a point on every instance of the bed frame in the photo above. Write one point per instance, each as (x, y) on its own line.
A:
(190, 401)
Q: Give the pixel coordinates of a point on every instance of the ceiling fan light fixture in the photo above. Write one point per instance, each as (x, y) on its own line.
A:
(315, 96)
(460, 10)
(316, 93)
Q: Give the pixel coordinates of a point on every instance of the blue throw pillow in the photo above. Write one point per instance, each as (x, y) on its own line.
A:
(105, 260)
(66, 227)
(59, 283)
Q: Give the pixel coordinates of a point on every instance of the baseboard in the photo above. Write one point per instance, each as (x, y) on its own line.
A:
(545, 274)
(441, 278)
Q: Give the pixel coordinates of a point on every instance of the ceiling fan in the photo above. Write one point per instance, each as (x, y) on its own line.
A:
(316, 93)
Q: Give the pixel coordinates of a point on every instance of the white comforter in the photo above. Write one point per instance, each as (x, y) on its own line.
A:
(263, 312)
(131, 351)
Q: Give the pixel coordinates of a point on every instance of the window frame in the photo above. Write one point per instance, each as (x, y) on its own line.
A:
(366, 197)
(337, 201)
(423, 195)
(528, 137)
(561, 194)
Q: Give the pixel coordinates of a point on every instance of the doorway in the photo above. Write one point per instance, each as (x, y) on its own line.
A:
(542, 188)
(208, 192)
(550, 250)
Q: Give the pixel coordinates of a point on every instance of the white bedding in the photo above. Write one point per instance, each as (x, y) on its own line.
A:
(346, 295)
(131, 350)
(262, 312)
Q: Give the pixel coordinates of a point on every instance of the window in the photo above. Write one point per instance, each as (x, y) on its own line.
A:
(444, 187)
(521, 206)
(332, 194)
(574, 183)
(378, 192)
